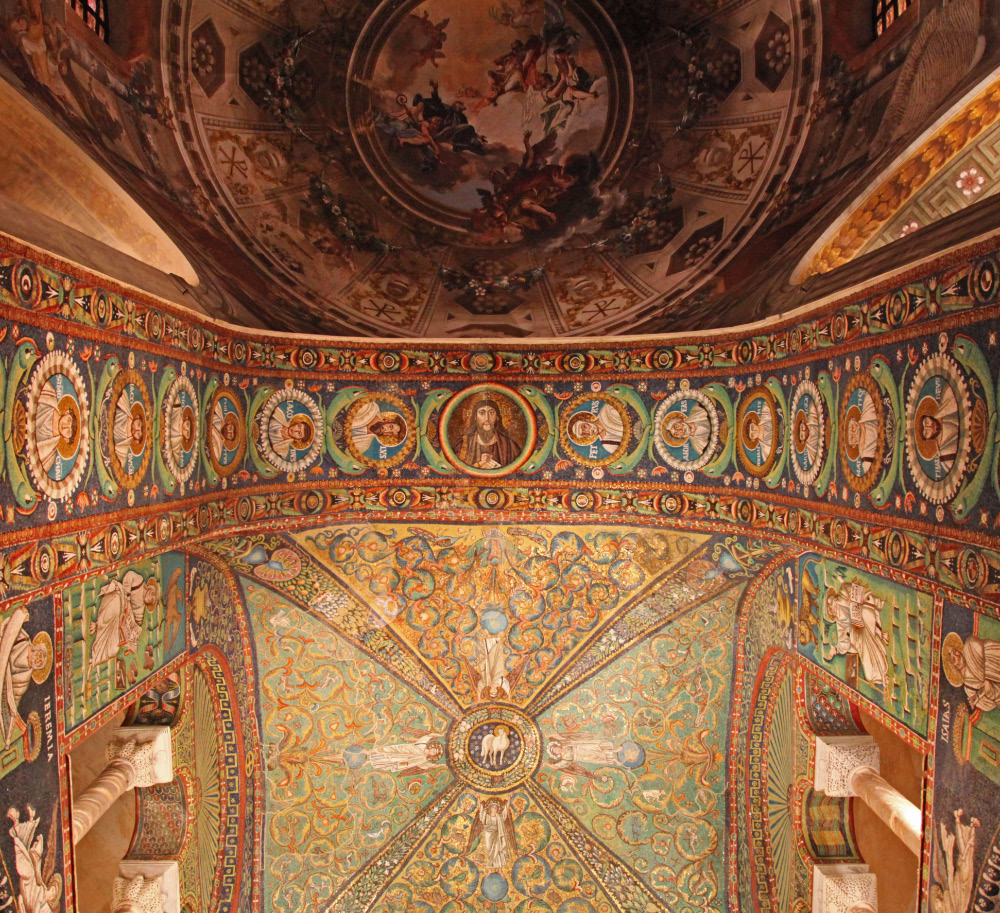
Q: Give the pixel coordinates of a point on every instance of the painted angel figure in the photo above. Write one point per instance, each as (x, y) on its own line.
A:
(425, 753)
(39, 885)
(491, 680)
(495, 824)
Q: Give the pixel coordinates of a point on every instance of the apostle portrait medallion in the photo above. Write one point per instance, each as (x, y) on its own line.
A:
(57, 443)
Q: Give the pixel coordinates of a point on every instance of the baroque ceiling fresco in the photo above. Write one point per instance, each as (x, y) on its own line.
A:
(477, 160)
(524, 168)
(560, 640)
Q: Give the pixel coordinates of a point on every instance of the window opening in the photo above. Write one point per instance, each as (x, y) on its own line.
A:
(94, 13)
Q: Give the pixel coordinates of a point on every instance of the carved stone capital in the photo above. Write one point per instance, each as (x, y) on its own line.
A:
(147, 749)
(844, 889)
(837, 757)
(137, 895)
(164, 874)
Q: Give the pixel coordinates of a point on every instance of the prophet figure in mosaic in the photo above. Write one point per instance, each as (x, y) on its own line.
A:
(975, 666)
(856, 612)
(122, 607)
(23, 659)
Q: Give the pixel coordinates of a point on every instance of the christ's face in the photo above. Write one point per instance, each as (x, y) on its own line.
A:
(486, 419)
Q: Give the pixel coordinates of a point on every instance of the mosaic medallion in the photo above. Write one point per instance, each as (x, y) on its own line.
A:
(291, 430)
(862, 432)
(809, 432)
(180, 428)
(128, 429)
(488, 430)
(687, 429)
(759, 432)
(380, 430)
(227, 439)
(58, 440)
(937, 428)
(595, 429)
(494, 747)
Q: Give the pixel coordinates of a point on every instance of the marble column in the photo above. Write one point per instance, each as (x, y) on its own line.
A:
(902, 816)
(138, 756)
(848, 766)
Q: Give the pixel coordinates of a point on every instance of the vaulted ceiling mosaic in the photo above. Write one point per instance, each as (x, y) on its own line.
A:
(532, 714)
(524, 167)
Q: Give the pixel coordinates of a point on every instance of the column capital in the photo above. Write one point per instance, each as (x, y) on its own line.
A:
(837, 757)
(137, 895)
(165, 874)
(844, 889)
(147, 749)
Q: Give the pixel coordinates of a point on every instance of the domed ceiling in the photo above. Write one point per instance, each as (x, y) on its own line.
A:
(521, 167)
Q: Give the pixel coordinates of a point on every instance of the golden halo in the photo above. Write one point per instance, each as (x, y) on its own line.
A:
(188, 440)
(668, 421)
(752, 419)
(68, 448)
(137, 412)
(955, 676)
(853, 451)
(926, 408)
(800, 421)
(583, 440)
(305, 422)
(42, 639)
